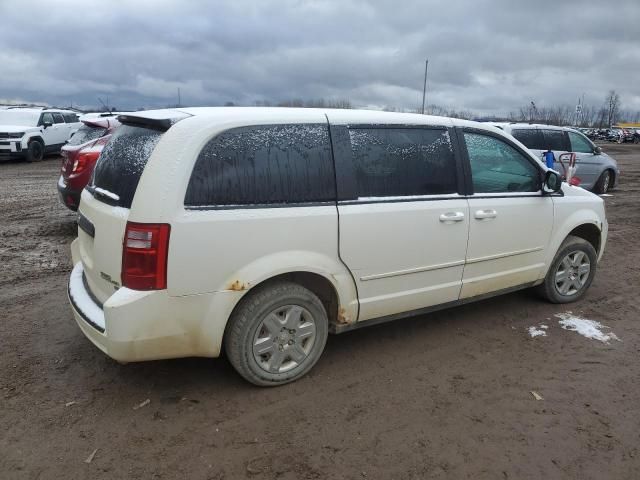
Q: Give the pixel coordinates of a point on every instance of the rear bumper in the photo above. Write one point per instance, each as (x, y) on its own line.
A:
(68, 196)
(133, 326)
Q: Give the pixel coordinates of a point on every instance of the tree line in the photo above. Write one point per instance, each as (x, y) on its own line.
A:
(609, 113)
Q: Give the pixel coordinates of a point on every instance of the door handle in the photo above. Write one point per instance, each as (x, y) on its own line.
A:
(452, 217)
(485, 214)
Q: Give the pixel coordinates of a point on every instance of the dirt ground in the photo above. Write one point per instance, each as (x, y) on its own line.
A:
(446, 395)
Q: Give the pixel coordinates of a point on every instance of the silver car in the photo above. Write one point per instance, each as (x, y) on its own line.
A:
(596, 170)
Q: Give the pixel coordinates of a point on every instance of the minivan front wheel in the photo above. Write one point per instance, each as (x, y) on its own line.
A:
(277, 334)
(571, 272)
(604, 183)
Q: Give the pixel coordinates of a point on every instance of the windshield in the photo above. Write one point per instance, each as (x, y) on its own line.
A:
(17, 117)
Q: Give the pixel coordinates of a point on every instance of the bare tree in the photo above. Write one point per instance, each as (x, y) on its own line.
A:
(612, 104)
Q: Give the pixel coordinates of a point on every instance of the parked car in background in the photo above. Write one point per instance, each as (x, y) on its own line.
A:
(595, 170)
(260, 230)
(31, 133)
(80, 154)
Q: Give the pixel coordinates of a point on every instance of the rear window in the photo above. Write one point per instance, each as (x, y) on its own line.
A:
(262, 165)
(530, 138)
(85, 134)
(121, 163)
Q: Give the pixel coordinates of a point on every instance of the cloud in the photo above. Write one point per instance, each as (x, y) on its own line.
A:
(485, 56)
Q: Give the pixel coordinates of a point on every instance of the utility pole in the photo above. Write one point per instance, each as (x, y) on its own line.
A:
(424, 88)
(179, 104)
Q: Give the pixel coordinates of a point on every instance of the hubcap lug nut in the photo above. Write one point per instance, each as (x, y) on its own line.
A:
(290, 342)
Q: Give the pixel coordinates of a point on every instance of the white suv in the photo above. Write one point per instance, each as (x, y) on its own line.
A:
(31, 133)
(264, 229)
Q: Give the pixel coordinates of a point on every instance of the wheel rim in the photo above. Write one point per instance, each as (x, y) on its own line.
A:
(572, 273)
(284, 339)
(605, 182)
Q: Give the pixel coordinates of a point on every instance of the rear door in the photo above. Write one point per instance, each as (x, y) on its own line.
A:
(403, 224)
(105, 205)
(60, 130)
(49, 134)
(511, 220)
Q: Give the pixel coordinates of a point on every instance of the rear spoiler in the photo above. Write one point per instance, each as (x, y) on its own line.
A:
(160, 124)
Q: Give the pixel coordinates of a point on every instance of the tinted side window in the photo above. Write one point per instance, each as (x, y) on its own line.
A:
(530, 138)
(497, 167)
(70, 117)
(268, 164)
(579, 143)
(555, 140)
(392, 162)
(57, 117)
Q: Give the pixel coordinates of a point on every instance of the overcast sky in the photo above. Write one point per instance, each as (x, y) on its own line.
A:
(489, 57)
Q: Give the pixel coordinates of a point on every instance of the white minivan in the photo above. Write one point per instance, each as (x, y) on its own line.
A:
(261, 230)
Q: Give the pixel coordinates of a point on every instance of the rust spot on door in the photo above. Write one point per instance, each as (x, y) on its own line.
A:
(342, 315)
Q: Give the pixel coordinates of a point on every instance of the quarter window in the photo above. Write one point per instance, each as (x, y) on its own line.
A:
(261, 165)
(497, 167)
(403, 162)
(579, 143)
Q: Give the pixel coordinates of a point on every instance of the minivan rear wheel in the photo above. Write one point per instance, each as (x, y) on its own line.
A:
(277, 334)
(571, 272)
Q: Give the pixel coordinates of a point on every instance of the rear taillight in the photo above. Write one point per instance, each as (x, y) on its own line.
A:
(144, 256)
(88, 156)
(84, 159)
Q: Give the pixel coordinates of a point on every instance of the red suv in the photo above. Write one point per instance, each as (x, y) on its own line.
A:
(80, 154)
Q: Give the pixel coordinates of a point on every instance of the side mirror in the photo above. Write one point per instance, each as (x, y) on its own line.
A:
(46, 124)
(597, 150)
(552, 182)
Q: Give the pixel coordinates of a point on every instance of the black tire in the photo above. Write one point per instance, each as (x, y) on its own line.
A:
(250, 320)
(550, 290)
(604, 183)
(35, 151)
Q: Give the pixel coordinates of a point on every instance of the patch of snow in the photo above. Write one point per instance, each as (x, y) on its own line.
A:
(82, 299)
(107, 193)
(586, 328)
(606, 195)
(538, 331)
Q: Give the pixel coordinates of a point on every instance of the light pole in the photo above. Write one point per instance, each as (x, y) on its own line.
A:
(424, 88)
